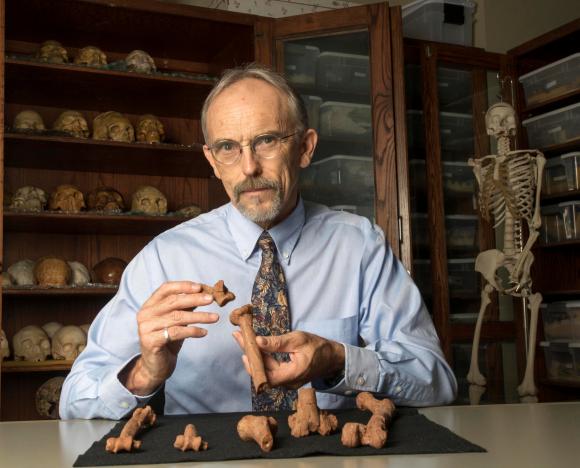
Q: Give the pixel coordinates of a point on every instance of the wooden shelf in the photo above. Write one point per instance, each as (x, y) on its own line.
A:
(89, 223)
(566, 147)
(67, 153)
(42, 366)
(26, 291)
(561, 196)
(554, 103)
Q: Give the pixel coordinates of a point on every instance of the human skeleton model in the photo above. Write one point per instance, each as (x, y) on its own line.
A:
(509, 188)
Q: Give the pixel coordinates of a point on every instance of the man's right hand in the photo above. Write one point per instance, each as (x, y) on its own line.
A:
(169, 308)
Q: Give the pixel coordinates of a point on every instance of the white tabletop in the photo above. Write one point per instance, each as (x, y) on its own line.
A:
(527, 436)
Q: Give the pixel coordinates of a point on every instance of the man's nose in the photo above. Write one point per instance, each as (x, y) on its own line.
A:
(250, 162)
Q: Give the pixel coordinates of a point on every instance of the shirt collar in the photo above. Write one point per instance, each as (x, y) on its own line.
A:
(285, 234)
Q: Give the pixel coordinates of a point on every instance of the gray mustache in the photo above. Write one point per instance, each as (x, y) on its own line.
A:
(255, 183)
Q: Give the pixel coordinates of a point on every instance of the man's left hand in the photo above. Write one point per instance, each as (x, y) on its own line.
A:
(311, 357)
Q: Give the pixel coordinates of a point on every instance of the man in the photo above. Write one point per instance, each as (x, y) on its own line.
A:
(340, 279)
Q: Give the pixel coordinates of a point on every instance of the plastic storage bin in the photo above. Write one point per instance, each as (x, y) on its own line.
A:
(300, 63)
(458, 178)
(456, 132)
(553, 80)
(553, 128)
(561, 222)
(561, 320)
(560, 360)
(562, 174)
(312, 104)
(343, 72)
(462, 277)
(454, 89)
(448, 21)
(461, 232)
(345, 120)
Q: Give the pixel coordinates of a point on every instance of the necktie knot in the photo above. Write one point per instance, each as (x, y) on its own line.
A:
(266, 242)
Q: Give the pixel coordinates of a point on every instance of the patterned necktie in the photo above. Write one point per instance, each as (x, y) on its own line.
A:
(271, 317)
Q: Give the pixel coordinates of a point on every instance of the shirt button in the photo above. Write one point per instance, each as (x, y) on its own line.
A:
(361, 380)
(124, 404)
(348, 392)
(285, 254)
(398, 389)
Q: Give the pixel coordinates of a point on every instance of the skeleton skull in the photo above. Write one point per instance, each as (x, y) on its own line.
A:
(140, 61)
(50, 328)
(500, 120)
(113, 126)
(150, 129)
(4, 348)
(105, 199)
(52, 272)
(91, 56)
(149, 200)
(52, 52)
(48, 396)
(23, 272)
(28, 120)
(72, 123)
(66, 198)
(28, 198)
(80, 274)
(108, 271)
(31, 343)
(7, 279)
(68, 342)
(189, 211)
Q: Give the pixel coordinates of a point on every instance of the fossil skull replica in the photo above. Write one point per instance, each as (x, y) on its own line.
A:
(190, 211)
(50, 328)
(4, 347)
(48, 396)
(113, 126)
(52, 272)
(91, 56)
(28, 198)
(28, 120)
(31, 343)
(68, 342)
(108, 271)
(150, 129)
(72, 123)
(105, 199)
(23, 272)
(52, 52)
(79, 274)
(140, 61)
(7, 279)
(149, 200)
(67, 198)
(509, 183)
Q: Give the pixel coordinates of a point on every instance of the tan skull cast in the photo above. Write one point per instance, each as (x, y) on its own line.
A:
(48, 396)
(52, 272)
(23, 272)
(7, 279)
(28, 198)
(4, 347)
(108, 271)
(500, 120)
(52, 52)
(150, 129)
(80, 274)
(68, 342)
(149, 200)
(73, 123)
(140, 61)
(31, 343)
(67, 198)
(28, 120)
(113, 126)
(91, 56)
(50, 328)
(105, 199)
(190, 211)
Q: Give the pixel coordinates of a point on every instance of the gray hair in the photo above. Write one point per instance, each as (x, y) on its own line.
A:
(296, 106)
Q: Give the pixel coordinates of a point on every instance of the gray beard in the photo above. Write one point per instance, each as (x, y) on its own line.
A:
(254, 215)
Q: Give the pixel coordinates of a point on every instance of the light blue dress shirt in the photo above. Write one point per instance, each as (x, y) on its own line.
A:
(344, 284)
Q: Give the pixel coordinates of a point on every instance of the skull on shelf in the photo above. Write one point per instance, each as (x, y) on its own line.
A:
(140, 61)
(80, 274)
(68, 342)
(91, 56)
(28, 120)
(189, 211)
(23, 272)
(48, 396)
(113, 126)
(108, 271)
(52, 272)
(52, 52)
(50, 328)
(105, 199)
(150, 129)
(149, 200)
(500, 120)
(73, 123)
(31, 343)
(28, 198)
(67, 198)
(4, 347)
(7, 279)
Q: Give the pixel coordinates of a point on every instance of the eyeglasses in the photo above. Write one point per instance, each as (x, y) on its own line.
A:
(266, 146)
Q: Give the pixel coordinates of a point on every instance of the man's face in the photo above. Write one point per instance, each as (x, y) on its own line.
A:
(263, 190)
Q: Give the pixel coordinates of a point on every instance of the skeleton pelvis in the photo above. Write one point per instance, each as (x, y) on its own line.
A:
(490, 264)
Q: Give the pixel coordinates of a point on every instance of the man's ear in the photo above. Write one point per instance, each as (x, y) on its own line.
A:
(307, 147)
(211, 161)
